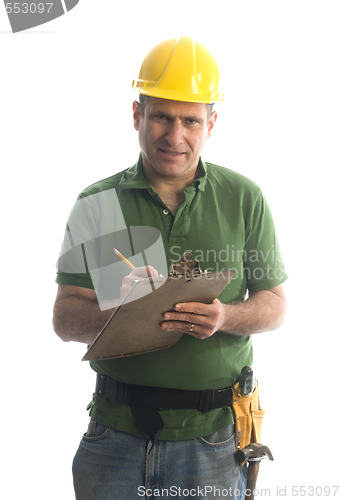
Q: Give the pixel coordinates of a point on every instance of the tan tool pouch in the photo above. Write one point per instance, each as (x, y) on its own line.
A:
(248, 417)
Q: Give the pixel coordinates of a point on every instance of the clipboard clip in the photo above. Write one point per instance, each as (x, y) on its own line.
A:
(186, 266)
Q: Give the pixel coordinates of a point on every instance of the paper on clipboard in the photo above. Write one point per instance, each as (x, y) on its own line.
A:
(134, 327)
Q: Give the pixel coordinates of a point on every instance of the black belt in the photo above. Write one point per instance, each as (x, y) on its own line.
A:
(144, 401)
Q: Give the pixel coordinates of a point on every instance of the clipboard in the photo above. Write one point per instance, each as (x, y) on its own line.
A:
(134, 326)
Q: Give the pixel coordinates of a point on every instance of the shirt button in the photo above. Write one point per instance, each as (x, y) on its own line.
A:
(165, 211)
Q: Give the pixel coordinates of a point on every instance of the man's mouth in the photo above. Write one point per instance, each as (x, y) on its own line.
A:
(171, 153)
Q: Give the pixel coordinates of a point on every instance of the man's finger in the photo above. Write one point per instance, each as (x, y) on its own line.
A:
(192, 307)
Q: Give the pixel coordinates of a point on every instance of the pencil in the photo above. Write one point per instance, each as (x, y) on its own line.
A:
(121, 256)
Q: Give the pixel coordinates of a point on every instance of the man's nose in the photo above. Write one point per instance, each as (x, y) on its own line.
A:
(174, 134)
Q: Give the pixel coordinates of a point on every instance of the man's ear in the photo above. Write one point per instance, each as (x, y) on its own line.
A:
(211, 123)
(136, 114)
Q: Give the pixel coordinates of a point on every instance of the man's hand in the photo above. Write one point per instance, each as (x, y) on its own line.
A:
(196, 319)
(263, 311)
(139, 273)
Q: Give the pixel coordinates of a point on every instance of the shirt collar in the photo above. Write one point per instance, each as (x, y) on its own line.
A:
(134, 178)
(201, 175)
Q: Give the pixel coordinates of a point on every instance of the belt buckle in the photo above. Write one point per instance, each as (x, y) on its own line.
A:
(206, 400)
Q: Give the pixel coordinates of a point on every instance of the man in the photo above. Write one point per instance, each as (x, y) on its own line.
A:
(131, 450)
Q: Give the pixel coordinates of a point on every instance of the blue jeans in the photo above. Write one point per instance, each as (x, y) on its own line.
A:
(110, 464)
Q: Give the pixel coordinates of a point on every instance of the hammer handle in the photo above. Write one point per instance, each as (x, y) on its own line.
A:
(253, 470)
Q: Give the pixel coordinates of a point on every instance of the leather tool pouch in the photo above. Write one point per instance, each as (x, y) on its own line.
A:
(248, 417)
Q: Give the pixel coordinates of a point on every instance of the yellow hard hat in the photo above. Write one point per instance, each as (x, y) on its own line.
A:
(182, 70)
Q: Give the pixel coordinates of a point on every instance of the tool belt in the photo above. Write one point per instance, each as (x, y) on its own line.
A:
(248, 417)
(145, 401)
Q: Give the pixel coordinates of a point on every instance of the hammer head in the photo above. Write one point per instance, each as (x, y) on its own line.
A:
(254, 452)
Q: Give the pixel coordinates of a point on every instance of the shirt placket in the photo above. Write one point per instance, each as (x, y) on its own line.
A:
(176, 227)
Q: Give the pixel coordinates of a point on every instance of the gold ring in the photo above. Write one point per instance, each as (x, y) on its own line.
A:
(191, 329)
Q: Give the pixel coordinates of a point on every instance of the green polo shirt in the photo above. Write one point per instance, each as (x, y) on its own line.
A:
(226, 224)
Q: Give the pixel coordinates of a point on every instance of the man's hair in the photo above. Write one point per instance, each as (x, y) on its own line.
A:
(142, 102)
(143, 99)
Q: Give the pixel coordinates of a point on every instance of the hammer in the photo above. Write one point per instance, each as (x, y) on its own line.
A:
(253, 454)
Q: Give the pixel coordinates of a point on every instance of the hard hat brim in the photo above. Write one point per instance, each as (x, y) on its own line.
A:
(175, 95)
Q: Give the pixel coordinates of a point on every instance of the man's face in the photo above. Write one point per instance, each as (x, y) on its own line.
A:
(171, 136)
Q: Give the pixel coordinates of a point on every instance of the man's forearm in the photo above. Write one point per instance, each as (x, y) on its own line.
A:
(263, 311)
(79, 319)
(77, 315)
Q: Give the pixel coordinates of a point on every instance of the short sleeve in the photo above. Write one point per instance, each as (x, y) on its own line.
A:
(72, 268)
(263, 265)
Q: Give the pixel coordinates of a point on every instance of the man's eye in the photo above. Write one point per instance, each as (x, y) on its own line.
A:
(191, 121)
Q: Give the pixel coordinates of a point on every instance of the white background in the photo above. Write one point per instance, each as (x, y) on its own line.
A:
(65, 122)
